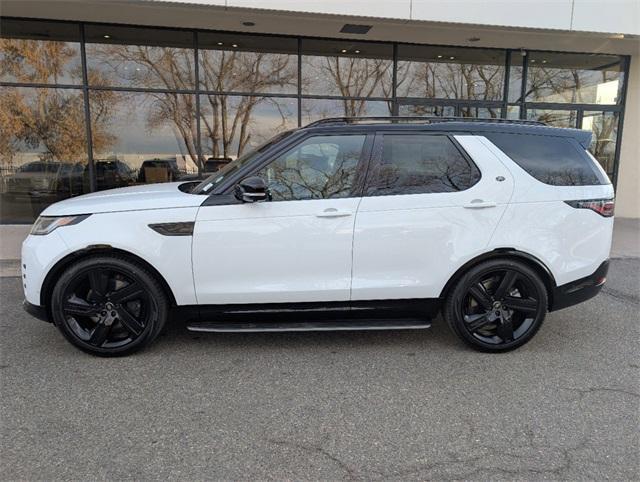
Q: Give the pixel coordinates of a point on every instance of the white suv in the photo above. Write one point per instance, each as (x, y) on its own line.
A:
(344, 224)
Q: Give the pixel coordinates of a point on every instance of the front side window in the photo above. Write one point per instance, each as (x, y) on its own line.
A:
(418, 164)
(320, 167)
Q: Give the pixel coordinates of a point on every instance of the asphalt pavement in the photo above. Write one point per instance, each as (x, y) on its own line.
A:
(311, 406)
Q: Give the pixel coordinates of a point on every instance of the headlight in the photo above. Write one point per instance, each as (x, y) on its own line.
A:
(46, 224)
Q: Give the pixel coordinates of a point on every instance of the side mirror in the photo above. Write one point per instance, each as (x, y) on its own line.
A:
(252, 189)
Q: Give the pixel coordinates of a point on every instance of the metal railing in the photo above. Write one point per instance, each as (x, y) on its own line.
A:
(418, 120)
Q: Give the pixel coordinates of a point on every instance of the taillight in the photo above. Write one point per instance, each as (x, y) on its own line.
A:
(604, 207)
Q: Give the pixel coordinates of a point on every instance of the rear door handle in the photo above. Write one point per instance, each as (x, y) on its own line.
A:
(333, 213)
(480, 204)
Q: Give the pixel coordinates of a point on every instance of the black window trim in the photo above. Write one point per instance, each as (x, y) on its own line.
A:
(376, 156)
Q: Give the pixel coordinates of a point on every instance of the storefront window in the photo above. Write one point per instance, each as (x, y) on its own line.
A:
(316, 109)
(142, 137)
(574, 78)
(515, 77)
(156, 115)
(236, 63)
(450, 73)
(513, 112)
(40, 52)
(424, 110)
(140, 57)
(43, 151)
(346, 68)
(555, 118)
(232, 125)
(604, 126)
(480, 112)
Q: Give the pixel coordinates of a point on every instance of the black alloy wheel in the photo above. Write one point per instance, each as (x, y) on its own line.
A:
(497, 306)
(108, 306)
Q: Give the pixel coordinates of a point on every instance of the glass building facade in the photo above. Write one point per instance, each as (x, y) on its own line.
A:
(86, 107)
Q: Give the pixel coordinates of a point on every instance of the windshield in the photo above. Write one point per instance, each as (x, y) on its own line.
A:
(210, 183)
(40, 167)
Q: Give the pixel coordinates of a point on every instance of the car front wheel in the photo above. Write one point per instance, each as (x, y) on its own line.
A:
(108, 306)
(497, 305)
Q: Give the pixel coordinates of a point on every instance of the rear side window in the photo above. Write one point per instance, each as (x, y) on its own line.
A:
(558, 161)
(418, 164)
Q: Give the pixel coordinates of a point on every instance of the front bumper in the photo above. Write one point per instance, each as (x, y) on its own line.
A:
(580, 290)
(36, 311)
(39, 255)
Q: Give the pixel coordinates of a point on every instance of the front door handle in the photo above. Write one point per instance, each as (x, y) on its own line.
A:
(480, 204)
(333, 213)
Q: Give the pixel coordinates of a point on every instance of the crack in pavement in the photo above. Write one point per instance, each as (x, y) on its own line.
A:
(491, 460)
(590, 390)
(619, 295)
(317, 450)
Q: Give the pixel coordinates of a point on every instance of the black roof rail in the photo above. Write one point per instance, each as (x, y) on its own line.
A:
(418, 120)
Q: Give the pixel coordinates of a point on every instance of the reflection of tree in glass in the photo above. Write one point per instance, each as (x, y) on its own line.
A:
(227, 121)
(350, 77)
(153, 67)
(36, 61)
(556, 118)
(428, 110)
(553, 84)
(178, 111)
(226, 124)
(603, 143)
(450, 80)
(426, 176)
(480, 112)
(143, 66)
(567, 177)
(172, 68)
(413, 164)
(45, 118)
(316, 171)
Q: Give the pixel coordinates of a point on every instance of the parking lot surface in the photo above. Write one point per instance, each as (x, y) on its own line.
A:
(368, 405)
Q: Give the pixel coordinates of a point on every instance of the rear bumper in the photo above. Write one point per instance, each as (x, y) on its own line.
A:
(580, 290)
(36, 311)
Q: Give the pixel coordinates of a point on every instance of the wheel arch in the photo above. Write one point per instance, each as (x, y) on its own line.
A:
(506, 253)
(68, 260)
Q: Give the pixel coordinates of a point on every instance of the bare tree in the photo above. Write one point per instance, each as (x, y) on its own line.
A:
(570, 85)
(48, 119)
(603, 146)
(350, 77)
(34, 61)
(226, 120)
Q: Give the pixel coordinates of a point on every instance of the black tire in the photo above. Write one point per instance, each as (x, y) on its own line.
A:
(109, 305)
(497, 306)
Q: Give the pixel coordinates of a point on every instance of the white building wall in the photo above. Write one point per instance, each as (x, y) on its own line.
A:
(628, 192)
(610, 16)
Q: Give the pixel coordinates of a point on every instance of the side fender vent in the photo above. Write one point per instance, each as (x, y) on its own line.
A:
(174, 229)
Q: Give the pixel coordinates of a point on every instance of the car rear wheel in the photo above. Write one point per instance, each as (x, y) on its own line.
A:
(498, 305)
(108, 306)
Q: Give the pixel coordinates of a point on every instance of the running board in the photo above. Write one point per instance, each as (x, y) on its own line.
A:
(336, 325)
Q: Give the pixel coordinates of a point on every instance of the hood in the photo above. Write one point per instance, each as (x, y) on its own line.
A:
(31, 175)
(134, 198)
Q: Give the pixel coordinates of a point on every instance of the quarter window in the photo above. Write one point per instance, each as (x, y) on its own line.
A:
(418, 164)
(321, 167)
(553, 160)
